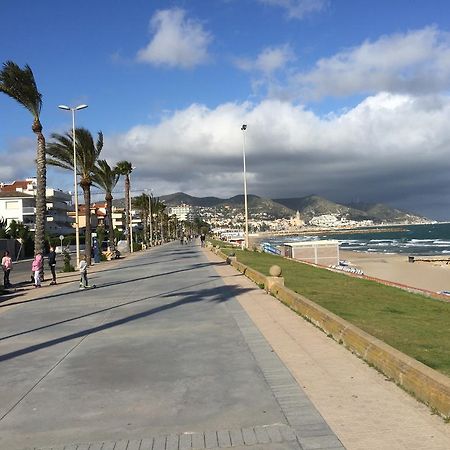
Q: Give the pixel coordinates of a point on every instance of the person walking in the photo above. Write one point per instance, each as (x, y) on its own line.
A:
(52, 264)
(7, 267)
(36, 267)
(83, 272)
(202, 239)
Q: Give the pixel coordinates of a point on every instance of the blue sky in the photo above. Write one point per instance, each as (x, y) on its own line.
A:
(347, 99)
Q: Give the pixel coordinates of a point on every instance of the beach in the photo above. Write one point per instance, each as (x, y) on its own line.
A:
(431, 276)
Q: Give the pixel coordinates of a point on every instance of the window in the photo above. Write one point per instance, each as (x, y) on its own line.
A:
(12, 204)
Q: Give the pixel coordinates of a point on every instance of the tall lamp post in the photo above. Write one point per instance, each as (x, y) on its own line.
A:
(75, 181)
(131, 218)
(243, 129)
(150, 215)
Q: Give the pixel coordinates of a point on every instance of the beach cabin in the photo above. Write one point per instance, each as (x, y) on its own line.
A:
(324, 253)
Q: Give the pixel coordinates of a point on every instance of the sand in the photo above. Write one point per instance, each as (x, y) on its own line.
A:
(396, 268)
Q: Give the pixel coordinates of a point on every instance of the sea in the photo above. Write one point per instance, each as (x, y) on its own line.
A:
(424, 240)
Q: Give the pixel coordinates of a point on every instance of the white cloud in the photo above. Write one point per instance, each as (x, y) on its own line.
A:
(18, 162)
(298, 9)
(415, 62)
(178, 41)
(268, 61)
(388, 148)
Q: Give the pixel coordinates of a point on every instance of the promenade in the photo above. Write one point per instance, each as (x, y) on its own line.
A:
(176, 350)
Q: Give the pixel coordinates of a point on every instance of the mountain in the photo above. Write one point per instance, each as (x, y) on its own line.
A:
(181, 198)
(314, 205)
(256, 205)
(386, 213)
(309, 207)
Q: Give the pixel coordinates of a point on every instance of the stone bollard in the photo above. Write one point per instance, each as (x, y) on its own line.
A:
(274, 278)
(231, 257)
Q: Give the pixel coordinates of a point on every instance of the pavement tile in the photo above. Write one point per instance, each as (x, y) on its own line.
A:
(121, 445)
(198, 440)
(83, 446)
(319, 442)
(159, 443)
(274, 433)
(96, 446)
(223, 437)
(236, 437)
(249, 436)
(172, 442)
(133, 445)
(211, 439)
(261, 435)
(185, 441)
(146, 444)
(108, 445)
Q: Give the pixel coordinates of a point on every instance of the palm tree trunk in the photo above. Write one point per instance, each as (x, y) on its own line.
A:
(87, 214)
(41, 177)
(127, 210)
(108, 221)
(145, 219)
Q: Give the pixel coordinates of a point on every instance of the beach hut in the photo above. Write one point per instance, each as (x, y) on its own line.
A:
(324, 253)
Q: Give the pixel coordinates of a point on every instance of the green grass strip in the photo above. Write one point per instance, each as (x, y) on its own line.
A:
(414, 324)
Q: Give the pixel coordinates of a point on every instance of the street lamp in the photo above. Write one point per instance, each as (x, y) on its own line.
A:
(150, 216)
(77, 223)
(243, 129)
(131, 217)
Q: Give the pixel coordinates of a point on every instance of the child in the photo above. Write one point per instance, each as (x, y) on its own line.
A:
(36, 267)
(7, 266)
(83, 273)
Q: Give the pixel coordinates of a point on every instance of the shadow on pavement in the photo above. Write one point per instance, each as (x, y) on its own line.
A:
(215, 294)
(112, 284)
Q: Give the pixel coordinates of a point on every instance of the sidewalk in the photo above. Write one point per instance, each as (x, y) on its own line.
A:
(160, 356)
(366, 411)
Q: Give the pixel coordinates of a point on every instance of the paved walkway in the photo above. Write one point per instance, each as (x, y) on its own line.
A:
(366, 411)
(160, 356)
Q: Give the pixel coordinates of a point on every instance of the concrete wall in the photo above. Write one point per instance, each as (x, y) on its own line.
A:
(426, 384)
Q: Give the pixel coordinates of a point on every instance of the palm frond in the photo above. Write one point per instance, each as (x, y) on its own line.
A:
(124, 167)
(104, 176)
(20, 85)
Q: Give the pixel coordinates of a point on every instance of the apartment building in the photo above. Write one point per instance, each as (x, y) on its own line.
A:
(183, 212)
(18, 202)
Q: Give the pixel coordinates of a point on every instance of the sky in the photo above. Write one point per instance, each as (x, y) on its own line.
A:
(348, 99)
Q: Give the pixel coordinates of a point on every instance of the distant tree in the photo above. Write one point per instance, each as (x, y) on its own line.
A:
(20, 85)
(106, 178)
(88, 152)
(125, 168)
(142, 204)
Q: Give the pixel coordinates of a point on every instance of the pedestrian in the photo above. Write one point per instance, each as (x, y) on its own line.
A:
(83, 272)
(36, 267)
(202, 239)
(52, 264)
(7, 267)
(182, 239)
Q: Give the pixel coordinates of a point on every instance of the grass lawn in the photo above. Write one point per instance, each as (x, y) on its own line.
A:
(412, 323)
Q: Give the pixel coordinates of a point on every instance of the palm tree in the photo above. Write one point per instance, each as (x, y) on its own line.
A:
(142, 203)
(20, 85)
(125, 168)
(106, 178)
(61, 153)
(158, 208)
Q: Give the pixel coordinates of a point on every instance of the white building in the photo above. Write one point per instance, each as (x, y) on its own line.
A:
(18, 202)
(183, 212)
